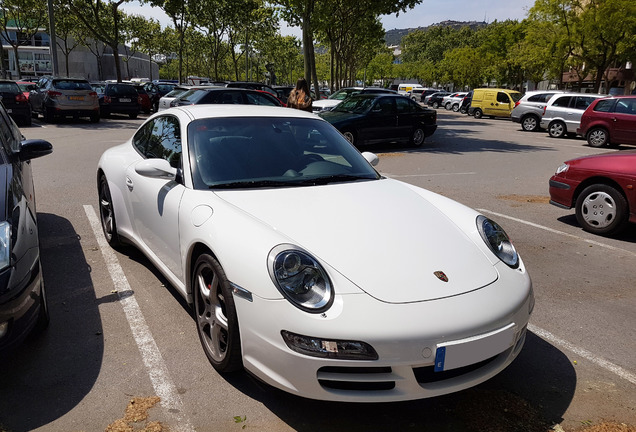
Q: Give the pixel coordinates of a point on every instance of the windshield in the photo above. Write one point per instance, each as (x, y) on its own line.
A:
(356, 105)
(269, 152)
(344, 93)
(516, 96)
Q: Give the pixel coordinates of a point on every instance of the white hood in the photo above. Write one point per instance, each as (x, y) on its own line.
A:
(381, 235)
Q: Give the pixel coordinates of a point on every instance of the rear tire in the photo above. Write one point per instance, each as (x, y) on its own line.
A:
(107, 214)
(435, 105)
(530, 123)
(455, 108)
(597, 137)
(350, 136)
(478, 113)
(417, 137)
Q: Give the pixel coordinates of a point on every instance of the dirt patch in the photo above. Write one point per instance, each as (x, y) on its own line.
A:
(539, 199)
(137, 412)
(608, 427)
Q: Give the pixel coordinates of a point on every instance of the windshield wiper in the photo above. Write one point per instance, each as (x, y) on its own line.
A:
(247, 184)
(337, 178)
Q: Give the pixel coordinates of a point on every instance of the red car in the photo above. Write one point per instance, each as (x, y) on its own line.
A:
(609, 121)
(601, 188)
(26, 87)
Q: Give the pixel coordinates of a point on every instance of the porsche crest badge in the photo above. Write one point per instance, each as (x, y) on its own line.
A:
(441, 276)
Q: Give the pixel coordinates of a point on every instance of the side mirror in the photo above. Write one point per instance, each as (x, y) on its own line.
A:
(372, 158)
(156, 168)
(34, 148)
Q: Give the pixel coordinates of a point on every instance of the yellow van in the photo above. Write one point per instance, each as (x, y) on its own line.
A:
(493, 102)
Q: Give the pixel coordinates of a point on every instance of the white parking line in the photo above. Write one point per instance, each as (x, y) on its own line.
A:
(156, 367)
(583, 353)
(595, 243)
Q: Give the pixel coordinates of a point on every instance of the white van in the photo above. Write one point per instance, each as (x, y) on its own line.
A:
(404, 88)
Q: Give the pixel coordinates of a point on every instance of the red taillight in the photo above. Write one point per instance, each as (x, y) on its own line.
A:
(107, 99)
(53, 94)
(93, 94)
(544, 107)
(20, 97)
(517, 103)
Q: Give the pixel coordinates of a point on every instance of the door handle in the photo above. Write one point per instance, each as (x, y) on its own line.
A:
(129, 183)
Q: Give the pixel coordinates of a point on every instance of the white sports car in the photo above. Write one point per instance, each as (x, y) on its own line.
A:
(308, 268)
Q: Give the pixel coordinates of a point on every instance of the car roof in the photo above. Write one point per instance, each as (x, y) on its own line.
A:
(220, 111)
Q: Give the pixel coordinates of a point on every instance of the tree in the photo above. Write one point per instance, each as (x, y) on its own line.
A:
(27, 17)
(149, 39)
(69, 30)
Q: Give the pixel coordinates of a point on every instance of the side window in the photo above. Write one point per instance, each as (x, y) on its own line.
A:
(626, 106)
(384, 106)
(403, 105)
(604, 105)
(502, 97)
(563, 101)
(160, 138)
(582, 102)
(258, 99)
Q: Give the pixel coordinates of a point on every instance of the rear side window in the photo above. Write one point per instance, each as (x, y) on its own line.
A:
(260, 99)
(541, 97)
(626, 106)
(9, 87)
(563, 101)
(604, 105)
(582, 102)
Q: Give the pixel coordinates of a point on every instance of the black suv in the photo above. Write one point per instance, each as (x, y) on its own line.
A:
(15, 102)
(23, 305)
(119, 98)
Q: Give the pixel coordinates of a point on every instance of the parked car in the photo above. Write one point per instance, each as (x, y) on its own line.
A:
(252, 86)
(404, 88)
(493, 102)
(562, 114)
(15, 103)
(154, 94)
(165, 87)
(64, 97)
(26, 87)
(282, 92)
(435, 100)
(144, 98)
(599, 188)
(609, 121)
(332, 101)
(165, 101)
(255, 204)
(23, 306)
(529, 109)
(226, 95)
(119, 98)
(453, 101)
(464, 105)
(368, 118)
(426, 93)
(415, 94)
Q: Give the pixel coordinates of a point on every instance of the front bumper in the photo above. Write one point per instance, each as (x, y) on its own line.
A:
(561, 193)
(407, 338)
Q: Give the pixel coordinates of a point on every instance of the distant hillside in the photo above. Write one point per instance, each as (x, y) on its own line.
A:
(394, 37)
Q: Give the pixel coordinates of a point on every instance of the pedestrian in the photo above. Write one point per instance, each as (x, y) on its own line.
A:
(299, 97)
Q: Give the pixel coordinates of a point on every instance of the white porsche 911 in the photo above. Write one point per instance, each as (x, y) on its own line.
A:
(308, 268)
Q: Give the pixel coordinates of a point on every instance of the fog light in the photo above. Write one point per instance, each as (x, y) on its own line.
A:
(3, 328)
(329, 348)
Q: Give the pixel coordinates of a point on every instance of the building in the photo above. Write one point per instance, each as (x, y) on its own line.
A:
(35, 60)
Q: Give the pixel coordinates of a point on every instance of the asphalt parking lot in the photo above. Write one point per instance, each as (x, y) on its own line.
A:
(578, 366)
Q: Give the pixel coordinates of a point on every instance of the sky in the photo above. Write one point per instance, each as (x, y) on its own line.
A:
(426, 13)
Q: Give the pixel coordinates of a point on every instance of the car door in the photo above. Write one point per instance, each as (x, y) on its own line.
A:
(577, 107)
(500, 107)
(154, 202)
(407, 117)
(380, 123)
(624, 119)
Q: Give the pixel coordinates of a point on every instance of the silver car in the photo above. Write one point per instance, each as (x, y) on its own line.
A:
(529, 110)
(64, 97)
(562, 114)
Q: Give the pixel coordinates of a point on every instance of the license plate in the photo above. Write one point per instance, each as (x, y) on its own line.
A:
(124, 100)
(456, 354)
(76, 98)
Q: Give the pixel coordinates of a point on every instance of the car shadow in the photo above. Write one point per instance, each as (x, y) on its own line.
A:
(531, 395)
(50, 374)
(84, 123)
(628, 235)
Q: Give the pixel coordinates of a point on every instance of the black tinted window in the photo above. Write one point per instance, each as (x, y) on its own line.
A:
(260, 99)
(563, 101)
(121, 90)
(582, 102)
(541, 97)
(626, 106)
(502, 97)
(71, 85)
(604, 105)
(8, 87)
(160, 138)
(404, 105)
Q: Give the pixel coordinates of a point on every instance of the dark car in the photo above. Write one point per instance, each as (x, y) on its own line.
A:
(154, 94)
(119, 98)
(251, 85)
(144, 98)
(368, 118)
(282, 92)
(14, 101)
(464, 105)
(427, 92)
(600, 188)
(165, 87)
(435, 100)
(224, 95)
(23, 306)
(64, 97)
(609, 121)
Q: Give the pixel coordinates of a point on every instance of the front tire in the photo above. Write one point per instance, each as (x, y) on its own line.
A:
(43, 315)
(455, 108)
(601, 209)
(478, 113)
(557, 129)
(448, 106)
(530, 123)
(215, 314)
(107, 214)
(435, 105)
(597, 137)
(417, 137)
(350, 136)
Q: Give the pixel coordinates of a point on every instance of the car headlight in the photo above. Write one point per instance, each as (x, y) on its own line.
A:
(301, 279)
(498, 241)
(563, 168)
(5, 245)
